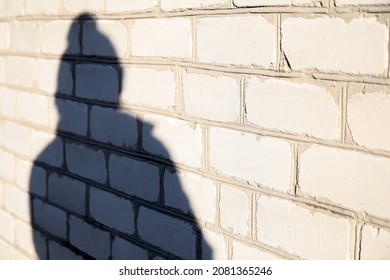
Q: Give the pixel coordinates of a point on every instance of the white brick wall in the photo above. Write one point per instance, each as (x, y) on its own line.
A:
(234, 207)
(157, 139)
(124, 5)
(195, 129)
(332, 45)
(149, 87)
(95, 44)
(251, 40)
(172, 36)
(259, 160)
(168, 5)
(134, 177)
(292, 107)
(179, 186)
(346, 178)
(202, 92)
(300, 231)
(370, 112)
(375, 243)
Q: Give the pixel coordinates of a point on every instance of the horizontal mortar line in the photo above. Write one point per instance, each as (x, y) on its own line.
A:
(172, 14)
(128, 15)
(255, 243)
(231, 69)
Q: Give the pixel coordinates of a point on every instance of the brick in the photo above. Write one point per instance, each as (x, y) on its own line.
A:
(97, 82)
(9, 8)
(89, 239)
(31, 178)
(24, 36)
(67, 193)
(30, 240)
(75, 6)
(332, 45)
(190, 193)
(2, 69)
(241, 251)
(86, 162)
(202, 92)
(292, 107)
(252, 3)
(69, 116)
(59, 252)
(173, 36)
(8, 164)
(46, 7)
(4, 34)
(369, 112)
(346, 178)
(234, 210)
(16, 137)
(149, 87)
(55, 76)
(5, 250)
(25, 78)
(124, 250)
(128, 6)
(111, 210)
(134, 177)
(32, 108)
(47, 148)
(301, 231)
(117, 127)
(375, 243)
(185, 147)
(60, 37)
(170, 234)
(7, 225)
(104, 38)
(251, 40)
(169, 5)
(213, 246)
(264, 161)
(361, 2)
(7, 102)
(50, 218)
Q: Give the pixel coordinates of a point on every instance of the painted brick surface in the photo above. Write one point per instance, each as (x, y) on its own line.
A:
(173, 37)
(300, 232)
(251, 40)
(292, 107)
(346, 178)
(194, 129)
(202, 92)
(263, 161)
(306, 43)
(149, 87)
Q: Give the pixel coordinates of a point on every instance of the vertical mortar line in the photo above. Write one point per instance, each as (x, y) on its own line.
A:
(217, 206)
(278, 42)
(358, 240)
(344, 113)
(179, 100)
(194, 26)
(253, 216)
(229, 248)
(294, 169)
(242, 110)
(388, 49)
(205, 133)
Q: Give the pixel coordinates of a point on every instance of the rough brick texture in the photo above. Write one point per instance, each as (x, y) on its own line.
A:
(194, 129)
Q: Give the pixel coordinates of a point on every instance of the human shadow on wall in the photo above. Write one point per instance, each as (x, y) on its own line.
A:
(94, 192)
